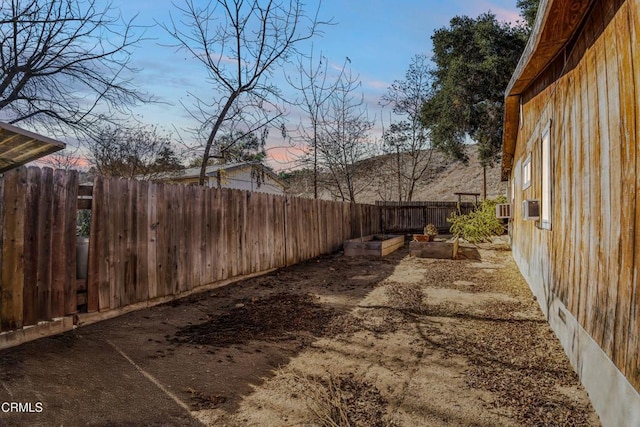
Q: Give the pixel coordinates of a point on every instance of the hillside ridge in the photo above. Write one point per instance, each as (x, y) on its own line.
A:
(444, 177)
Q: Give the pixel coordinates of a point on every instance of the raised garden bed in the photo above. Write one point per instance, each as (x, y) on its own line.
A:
(423, 237)
(440, 250)
(373, 245)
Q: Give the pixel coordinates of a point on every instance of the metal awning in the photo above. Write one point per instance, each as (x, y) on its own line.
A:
(19, 146)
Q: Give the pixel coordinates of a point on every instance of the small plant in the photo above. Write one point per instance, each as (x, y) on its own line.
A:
(83, 226)
(480, 224)
(430, 230)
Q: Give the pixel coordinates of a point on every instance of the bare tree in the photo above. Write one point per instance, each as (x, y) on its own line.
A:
(240, 43)
(408, 140)
(66, 159)
(138, 152)
(344, 142)
(316, 87)
(64, 63)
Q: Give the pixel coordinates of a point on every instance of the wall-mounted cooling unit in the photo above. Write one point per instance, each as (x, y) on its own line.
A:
(531, 209)
(503, 210)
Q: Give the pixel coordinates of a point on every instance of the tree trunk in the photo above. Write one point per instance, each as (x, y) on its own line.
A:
(212, 136)
(484, 183)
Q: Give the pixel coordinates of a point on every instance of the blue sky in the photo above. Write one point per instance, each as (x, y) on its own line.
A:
(378, 36)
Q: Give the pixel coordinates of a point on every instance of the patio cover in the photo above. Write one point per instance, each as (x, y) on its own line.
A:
(19, 146)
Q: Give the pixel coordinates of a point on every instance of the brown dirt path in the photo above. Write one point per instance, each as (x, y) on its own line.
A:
(352, 341)
(437, 343)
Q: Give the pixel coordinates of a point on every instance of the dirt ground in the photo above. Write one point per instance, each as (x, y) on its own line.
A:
(399, 341)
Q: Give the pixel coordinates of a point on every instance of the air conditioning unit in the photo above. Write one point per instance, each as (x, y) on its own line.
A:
(503, 210)
(530, 209)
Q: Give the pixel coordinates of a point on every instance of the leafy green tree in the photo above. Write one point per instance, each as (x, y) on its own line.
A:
(240, 147)
(479, 225)
(529, 10)
(474, 60)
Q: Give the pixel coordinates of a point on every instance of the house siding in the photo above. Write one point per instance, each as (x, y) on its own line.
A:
(239, 179)
(588, 262)
(243, 180)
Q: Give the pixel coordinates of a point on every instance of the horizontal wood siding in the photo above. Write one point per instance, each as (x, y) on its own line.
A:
(590, 258)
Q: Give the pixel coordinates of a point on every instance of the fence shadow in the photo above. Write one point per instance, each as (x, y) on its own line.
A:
(210, 349)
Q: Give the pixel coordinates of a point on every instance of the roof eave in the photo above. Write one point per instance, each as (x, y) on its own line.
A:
(555, 25)
(20, 146)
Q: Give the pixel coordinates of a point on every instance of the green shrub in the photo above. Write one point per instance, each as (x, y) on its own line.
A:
(480, 224)
(83, 226)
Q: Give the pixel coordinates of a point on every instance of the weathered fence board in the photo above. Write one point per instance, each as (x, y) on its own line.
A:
(14, 205)
(60, 195)
(153, 240)
(2, 225)
(414, 216)
(38, 257)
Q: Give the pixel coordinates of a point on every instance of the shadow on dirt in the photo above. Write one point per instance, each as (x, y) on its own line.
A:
(250, 328)
(265, 319)
(209, 349)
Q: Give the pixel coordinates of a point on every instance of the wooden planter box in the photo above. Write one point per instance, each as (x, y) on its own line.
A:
(373, 245)
(440, 250)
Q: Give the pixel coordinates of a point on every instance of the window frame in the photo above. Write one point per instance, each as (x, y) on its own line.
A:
(546, 179)
(526, 172)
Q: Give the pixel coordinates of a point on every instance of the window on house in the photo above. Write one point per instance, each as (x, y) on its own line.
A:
(545, 199)
(526, 173)
(512, 192)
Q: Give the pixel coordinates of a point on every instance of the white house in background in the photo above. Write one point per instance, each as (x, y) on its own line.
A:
(241, 176)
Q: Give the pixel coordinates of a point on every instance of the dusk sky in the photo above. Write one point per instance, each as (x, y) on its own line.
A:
(378, 36)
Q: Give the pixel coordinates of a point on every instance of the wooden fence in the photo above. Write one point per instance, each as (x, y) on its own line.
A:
(413, 216)
(149, 240)
(38, 246)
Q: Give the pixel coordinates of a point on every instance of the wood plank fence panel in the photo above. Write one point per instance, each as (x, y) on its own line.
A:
(14, 205)
(163, 267)
(218, 237)
(150, 240)
(2, 209)
(44, 233)
(116, 224)
(203, 218)
(130, 239)
(37, 242)
(414, 216)
(278, 208)
(31, 243)
(97, 280)
(58, 305)
(143, 244)
(70, 241)
(174, 222)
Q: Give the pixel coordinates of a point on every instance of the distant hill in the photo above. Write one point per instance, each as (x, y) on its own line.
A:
(444, 178)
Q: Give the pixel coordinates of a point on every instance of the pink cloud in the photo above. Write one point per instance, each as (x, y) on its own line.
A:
(281, 157)
(502, 13)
